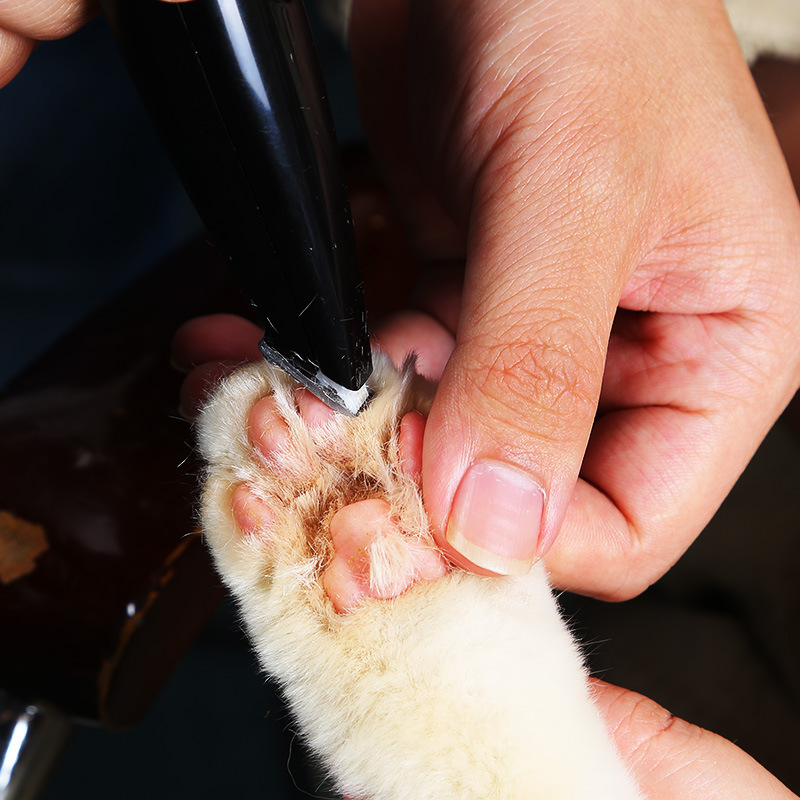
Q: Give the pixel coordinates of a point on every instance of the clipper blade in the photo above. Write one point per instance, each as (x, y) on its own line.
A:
(346, 401)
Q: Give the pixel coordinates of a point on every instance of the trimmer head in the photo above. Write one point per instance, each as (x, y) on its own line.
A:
(346, 401)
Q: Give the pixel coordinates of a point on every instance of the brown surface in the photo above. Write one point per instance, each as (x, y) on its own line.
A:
(21, 542)
(389, 266)
(778, 82)
(94, 456)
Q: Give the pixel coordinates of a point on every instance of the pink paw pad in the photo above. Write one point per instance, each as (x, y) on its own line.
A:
(269, 431)
(409, 444)
(373, 557)
(251, 513)
(313, 411)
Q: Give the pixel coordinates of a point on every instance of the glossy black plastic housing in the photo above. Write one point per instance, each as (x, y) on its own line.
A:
(234, 89)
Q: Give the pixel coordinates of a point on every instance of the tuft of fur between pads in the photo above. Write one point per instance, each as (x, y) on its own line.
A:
(465, 688)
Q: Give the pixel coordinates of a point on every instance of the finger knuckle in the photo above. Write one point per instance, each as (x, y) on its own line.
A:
(550, 374)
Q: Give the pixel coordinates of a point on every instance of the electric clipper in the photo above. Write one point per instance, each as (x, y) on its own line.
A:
(235, 91)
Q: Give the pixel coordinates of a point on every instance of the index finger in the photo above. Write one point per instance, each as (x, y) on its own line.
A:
(44, 19)
(14, 52)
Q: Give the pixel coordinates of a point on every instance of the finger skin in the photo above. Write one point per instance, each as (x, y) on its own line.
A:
(414, 333)
(14, 52)
(215, 337)
(200, 383)
(45, 19)
(529, 124)
(671, 758)
(23, 23)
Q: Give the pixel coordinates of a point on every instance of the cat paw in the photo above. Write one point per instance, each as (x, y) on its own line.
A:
(411, 681)
(371, 556)
(363, 534)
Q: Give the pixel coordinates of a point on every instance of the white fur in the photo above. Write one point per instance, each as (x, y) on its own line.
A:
(763, 27)
(465, 688)
(766, 27)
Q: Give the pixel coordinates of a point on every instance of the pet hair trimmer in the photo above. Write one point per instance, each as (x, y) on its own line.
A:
(235, 92)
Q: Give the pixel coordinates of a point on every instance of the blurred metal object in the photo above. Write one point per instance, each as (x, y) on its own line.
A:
(32, 737)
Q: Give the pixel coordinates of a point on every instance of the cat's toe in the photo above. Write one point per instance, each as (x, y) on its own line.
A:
(253, 516)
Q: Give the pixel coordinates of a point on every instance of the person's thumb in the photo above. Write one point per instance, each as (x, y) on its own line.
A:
(545, 193)
(515, 407)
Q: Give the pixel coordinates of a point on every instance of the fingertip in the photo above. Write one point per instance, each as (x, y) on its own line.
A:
(601, 553)
(215, 337)
(460, 561)
(14, 52)
(496, 518)
(199, 384)
(42, 20)
(412, 332)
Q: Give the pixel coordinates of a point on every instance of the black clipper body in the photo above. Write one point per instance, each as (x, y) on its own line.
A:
(235, 92)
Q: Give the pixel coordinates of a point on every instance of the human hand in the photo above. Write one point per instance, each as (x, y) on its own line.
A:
(594, 164)
(671, 758)
(23, 23)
